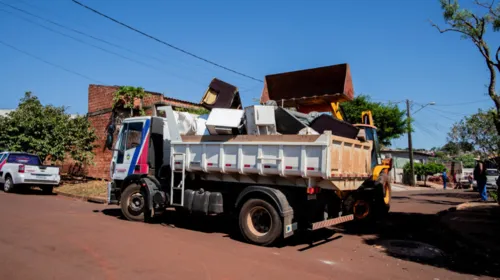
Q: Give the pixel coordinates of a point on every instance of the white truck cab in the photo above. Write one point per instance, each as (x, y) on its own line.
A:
(24, 169)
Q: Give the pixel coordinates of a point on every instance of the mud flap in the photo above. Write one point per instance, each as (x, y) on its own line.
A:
(288, 226)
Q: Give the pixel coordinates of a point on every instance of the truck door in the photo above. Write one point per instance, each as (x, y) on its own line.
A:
(128, 148)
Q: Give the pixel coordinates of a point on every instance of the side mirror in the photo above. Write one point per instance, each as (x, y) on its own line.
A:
(109, 141)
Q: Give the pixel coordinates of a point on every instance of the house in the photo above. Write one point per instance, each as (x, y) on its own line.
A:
(400, 158)
(99, 115)
(5, 112)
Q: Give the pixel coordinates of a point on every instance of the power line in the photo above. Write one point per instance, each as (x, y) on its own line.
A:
(463, 103)
(89, 35)
(167, 44)
(449, 112)
(97, 47)
(50, 63)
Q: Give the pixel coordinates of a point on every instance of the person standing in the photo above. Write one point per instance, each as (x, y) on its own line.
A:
(444, 179)
(480, 177)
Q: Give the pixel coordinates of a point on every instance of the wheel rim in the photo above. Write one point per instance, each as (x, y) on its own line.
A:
(136, 203)
(361, 209)
(387, 196)
(259, 221)
(8, 185)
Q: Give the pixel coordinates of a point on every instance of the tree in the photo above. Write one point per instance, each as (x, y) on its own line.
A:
(126, 96)
(477, 131)
(47, 131)
(468, 160)
(389, 119)
(473, 27)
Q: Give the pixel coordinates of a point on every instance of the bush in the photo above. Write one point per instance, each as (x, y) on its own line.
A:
(425, 170)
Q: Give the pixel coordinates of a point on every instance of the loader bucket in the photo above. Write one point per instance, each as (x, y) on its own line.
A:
(311, 89)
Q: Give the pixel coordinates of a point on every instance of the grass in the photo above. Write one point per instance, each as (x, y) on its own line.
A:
(89, 188)
(494, 195)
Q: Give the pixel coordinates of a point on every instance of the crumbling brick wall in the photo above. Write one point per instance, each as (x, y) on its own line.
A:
(99, 114)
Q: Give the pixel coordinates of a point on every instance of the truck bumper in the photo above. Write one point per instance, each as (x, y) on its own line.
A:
(111, 197)
(331, 222)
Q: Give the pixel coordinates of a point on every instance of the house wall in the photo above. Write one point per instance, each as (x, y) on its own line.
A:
(99, 114)
(399, 159)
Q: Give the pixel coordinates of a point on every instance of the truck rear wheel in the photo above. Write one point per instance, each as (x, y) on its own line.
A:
(133, 203)
(260, 222)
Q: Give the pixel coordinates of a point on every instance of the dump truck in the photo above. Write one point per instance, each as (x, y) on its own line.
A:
(274, 184)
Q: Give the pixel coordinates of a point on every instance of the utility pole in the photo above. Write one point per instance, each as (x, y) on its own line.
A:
(410, 144)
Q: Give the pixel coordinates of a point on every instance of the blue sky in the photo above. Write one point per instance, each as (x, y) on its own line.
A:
(393, 51)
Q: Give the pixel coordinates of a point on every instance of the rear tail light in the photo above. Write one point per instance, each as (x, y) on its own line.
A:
(313, 190)
(21, 168)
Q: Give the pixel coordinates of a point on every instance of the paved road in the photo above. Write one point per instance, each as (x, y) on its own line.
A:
(53, 237)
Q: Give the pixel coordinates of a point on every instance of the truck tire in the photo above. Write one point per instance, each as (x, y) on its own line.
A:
(260, 222)
(133, 203)
(8, 186)
(47, 189)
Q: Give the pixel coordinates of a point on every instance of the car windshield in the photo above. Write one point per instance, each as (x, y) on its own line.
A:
(24, 159)
(491, 172)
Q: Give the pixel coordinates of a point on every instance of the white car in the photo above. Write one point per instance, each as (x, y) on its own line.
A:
(24, 169)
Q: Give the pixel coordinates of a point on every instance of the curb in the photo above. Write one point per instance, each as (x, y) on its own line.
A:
(83, 197)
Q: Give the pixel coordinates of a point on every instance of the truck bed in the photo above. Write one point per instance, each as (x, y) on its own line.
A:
(321, 157)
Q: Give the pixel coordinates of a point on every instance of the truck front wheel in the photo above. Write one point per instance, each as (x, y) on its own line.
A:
(133, 203)
(260, 222)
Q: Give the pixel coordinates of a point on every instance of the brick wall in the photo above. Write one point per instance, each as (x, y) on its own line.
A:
(99, 112)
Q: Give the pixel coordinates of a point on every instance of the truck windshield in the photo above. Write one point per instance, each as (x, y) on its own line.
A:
(24, 159)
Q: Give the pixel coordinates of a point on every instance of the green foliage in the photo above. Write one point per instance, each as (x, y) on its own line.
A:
(46, 130)
(477, 130)
(468, 160)
(201, 111)
(424, 170)
(389, 119)
(494, 195)
(126, 95)
(473, 26)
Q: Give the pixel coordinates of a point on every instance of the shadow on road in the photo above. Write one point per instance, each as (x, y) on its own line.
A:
(227, 226)
(30, 191)
(425, 239)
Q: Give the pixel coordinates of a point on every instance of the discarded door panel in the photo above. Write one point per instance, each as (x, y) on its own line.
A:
(317, 88)
(221, 95)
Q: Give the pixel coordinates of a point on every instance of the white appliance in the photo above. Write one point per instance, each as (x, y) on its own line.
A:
(224, 121)
(260, 120)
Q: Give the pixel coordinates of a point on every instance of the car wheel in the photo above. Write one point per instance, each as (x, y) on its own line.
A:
(8, 187)
(47, 190)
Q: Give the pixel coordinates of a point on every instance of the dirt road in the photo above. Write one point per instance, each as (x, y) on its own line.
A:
(53, 237)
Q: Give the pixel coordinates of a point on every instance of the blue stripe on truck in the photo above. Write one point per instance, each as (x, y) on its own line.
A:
(133, 163)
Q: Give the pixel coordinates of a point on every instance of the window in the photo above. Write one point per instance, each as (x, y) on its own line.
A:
(491, 172)
(2, 156)
(134, 135)
(24, 159)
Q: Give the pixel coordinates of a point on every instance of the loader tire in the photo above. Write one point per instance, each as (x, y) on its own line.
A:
(382, 203)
